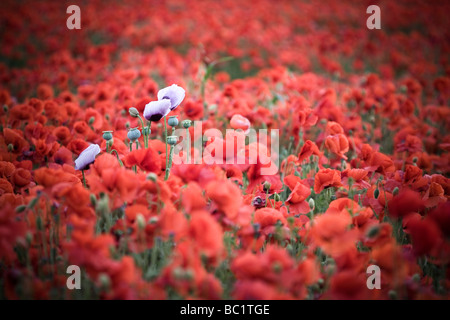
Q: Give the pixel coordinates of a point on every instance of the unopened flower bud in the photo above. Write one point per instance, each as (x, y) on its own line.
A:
(376, 193)
(93, 199)
(395, 192)
(21, 208)
(104, 280)
(373, 232)
(312, 203)
(133, 112)
(392, 295)
(10, 147)
(91, 120)
(153, 220)
(140, 220)
(152, 177)
(276, 197)
(267, 186)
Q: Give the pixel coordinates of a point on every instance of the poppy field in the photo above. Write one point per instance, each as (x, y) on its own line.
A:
(120, 159)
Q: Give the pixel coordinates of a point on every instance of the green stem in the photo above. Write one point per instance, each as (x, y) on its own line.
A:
(147, 136)
(165, 137)
(188, 151)
(170, 163)
(84, 179)
(117, 155)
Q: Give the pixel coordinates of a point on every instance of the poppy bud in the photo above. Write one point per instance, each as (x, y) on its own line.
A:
(33, 202)
(107, 135)
(392, 295)
(133, 134)
(127, 125)
(395, 192)
(276, 197)
(153, 220)
(376, 193)
(10, 147)
(152, 177)
(267, 186)
(103, 206)
(104, 280)
(172, 140)
(93, 199)
(146, 131)
(140, 220)
(416, 277)
(29, 237)
(276, 267)
(373, 232)
(312, 203)
(186, 123)
(173, 121)
(133, 112)
(107, 117)
(21, 208)
(290, 220)
(91, 120)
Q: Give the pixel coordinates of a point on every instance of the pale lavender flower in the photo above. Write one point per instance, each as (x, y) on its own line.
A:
(155, 110)
(87, 157)
(173, 93)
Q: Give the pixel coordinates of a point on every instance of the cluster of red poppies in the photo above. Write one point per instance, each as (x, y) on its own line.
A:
(363, 118)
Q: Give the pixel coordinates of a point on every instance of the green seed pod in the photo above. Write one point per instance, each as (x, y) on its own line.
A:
(186, 123)
(172, 140)
(133, 134)
(107, 135)
(173, 121)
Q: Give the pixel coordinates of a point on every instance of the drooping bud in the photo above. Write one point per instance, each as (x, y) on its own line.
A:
(133, 112)
(152, 177)
(267, 186)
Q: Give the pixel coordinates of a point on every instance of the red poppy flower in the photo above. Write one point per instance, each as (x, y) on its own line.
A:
(326, 178)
